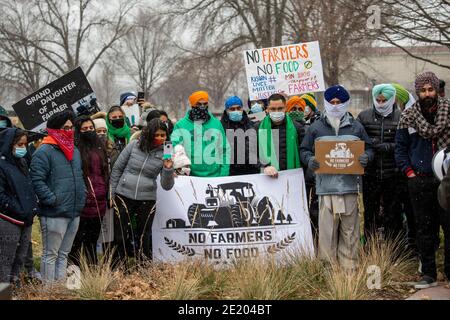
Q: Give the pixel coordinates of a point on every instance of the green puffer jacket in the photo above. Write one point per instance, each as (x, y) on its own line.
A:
(206, 146)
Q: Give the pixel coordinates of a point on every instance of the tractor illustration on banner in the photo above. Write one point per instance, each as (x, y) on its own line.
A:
(232, 205)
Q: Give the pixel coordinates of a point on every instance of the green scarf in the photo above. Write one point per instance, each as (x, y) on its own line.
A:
(266, 144)
(123, 132)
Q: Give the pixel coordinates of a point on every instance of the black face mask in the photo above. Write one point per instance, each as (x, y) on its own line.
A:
(88, 136)
(199, 114)
(118, 123)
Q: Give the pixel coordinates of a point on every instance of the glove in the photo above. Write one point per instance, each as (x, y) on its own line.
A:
(383, 147)
(313, 164)
(364, 160)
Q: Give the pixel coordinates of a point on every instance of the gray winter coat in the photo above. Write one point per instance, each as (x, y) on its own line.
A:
(134, 173)
(350, 130)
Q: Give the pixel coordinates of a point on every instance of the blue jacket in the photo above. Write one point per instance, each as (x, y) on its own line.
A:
(413, 152)
(18, 202)
(350, 129)
(58, 182)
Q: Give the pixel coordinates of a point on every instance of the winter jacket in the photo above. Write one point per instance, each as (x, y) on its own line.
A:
(97, 189)
(300, 128)
(350, 130)
(381, 130)
(58, 182)
(249, 160)
(444, 192)
(413, 152)
(134, 173)
(202, 149)
(18, 202)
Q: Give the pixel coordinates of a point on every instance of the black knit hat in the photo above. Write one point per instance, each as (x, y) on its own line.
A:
(57, 120)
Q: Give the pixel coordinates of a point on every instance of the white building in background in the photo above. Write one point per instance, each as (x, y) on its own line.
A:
(391, 64)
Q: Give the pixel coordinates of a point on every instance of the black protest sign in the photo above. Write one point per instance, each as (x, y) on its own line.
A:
(70, 91)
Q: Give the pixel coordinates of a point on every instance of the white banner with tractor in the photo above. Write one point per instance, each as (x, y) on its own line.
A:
(227, 218)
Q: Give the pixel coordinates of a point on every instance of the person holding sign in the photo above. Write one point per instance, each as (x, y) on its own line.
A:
(203, 138)
(279, 138)
(338, 193)
(241, 135)
(58, 182)
(133, 186)
(382, 183)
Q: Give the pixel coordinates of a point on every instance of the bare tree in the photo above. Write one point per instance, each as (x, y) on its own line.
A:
(146, 54)
(105, 83)
(77, 32)
(423, 22)
(22, 66)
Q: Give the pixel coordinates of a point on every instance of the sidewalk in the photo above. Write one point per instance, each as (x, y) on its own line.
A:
(437, 293)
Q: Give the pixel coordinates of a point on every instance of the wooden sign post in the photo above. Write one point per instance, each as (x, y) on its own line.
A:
(339, 157)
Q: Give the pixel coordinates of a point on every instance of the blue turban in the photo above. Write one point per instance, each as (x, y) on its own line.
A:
(233, 101)
(386, 89)
(125, 96)
(337, 92)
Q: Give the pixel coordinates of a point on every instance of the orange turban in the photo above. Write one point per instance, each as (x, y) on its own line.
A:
(295, 101)
(197, 96)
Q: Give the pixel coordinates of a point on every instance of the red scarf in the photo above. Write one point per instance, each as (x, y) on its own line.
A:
(64, 140)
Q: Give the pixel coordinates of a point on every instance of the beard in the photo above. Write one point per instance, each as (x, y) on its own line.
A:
(428, 102)
(335, 123)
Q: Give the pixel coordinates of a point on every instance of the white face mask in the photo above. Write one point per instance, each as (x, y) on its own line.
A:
(336, 111)
(386, 108)
(277, 116)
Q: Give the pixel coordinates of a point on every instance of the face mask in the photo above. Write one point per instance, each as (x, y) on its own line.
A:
(296, 115)
(20, 152)
(386, 108)
(277, 116)
(235, 116)
(199, 114)
(3, 124)
(158, 142)
(88, 135)
(184, 171)
(118, 123)
(336, 111)
(256, 108)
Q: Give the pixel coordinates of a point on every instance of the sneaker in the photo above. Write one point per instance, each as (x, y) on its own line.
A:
(426, 282)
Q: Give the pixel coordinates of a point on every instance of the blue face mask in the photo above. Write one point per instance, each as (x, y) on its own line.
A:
(277, 116)
(20, 152)
(3, 124)
(235, 116)
(256, 108)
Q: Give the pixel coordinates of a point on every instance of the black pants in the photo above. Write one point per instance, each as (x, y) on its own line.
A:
(133, 228)
(410, 220)
(86, 238)
(428, 215)
(382, 207)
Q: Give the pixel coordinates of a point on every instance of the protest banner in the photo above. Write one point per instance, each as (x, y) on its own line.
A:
(70, 91)
(292, 69)
(227, 218)
(339, 157)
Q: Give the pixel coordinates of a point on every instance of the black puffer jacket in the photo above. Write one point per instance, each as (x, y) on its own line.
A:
(251, 148)
(381, 130)
(18, 202)
(300, 128)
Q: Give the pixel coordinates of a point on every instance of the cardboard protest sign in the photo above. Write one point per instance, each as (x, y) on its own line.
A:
(70, 91)
(339, 157)
(292, 69)
(227, 218)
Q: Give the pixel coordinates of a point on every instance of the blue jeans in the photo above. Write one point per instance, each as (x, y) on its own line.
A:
(57, 239)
